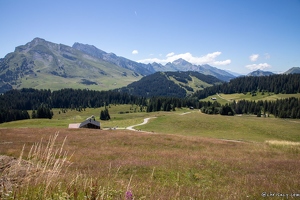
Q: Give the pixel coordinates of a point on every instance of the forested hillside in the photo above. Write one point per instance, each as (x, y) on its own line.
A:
(286, 84)
(170, 84)
(28, 99)
(15, 103)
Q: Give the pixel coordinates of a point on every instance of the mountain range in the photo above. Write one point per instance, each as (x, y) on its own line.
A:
(42, 64)
(183, 65)
(45, 65)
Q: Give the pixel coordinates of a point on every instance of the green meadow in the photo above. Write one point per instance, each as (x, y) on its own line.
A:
(177, 155)
(227, 98)
(181, 122)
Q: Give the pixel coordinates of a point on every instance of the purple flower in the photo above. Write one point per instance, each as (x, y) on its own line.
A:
(129, 195)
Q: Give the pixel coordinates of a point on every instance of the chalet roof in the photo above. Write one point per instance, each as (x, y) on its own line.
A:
(88, 123)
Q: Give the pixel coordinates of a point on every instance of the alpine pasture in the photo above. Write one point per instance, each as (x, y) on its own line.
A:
(177, 155)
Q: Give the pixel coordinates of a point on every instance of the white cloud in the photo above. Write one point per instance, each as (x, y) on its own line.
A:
(206, 59)
(224, 62)
(134, 52)
(254, 57)
(260, 66)
(170, 54)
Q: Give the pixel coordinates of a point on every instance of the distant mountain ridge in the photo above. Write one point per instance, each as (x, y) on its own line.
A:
(146, 69)
(293, 70)
(91, 50)
(183, 65)
(45, 65)
(42, 64)
(260, 73)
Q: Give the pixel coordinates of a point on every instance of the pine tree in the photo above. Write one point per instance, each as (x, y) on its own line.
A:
(33, 115)
(44, 111)
(104, 114)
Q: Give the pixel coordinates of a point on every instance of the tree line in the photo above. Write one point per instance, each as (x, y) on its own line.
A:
(281, 108)
(15, 103)
(283, 83)
(31, 99)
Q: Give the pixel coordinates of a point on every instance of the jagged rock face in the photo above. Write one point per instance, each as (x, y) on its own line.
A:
(112, 58)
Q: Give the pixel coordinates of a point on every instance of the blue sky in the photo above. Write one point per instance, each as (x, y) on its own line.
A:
(235, 35)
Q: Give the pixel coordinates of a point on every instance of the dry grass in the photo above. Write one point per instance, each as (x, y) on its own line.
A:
(107, 164)
(283, 143)
(42, 167)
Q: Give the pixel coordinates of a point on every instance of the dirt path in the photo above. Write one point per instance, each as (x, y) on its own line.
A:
(131, 128)
(145, 122)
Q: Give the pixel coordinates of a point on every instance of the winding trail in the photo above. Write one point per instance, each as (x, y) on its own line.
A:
(145, 122)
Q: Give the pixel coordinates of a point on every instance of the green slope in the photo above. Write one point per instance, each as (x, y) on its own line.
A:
(43, 65)
(227, 98)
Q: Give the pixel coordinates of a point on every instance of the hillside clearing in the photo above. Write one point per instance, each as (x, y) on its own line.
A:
(227, 98)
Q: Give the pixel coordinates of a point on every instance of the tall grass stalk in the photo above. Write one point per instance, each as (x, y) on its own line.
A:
(43, 167)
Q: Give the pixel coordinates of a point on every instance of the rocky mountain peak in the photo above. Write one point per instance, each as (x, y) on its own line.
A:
(180, 61)
(38, 40)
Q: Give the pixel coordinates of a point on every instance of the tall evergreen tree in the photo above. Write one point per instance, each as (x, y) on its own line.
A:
(44, 111)
(104, 114)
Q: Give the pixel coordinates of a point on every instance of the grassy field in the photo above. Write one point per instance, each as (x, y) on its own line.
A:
(63, 119)
(226, 98)
(121, 116)
(184, 155)
(181, 122)
(158, 166)
(243, 128)
(45, 81)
